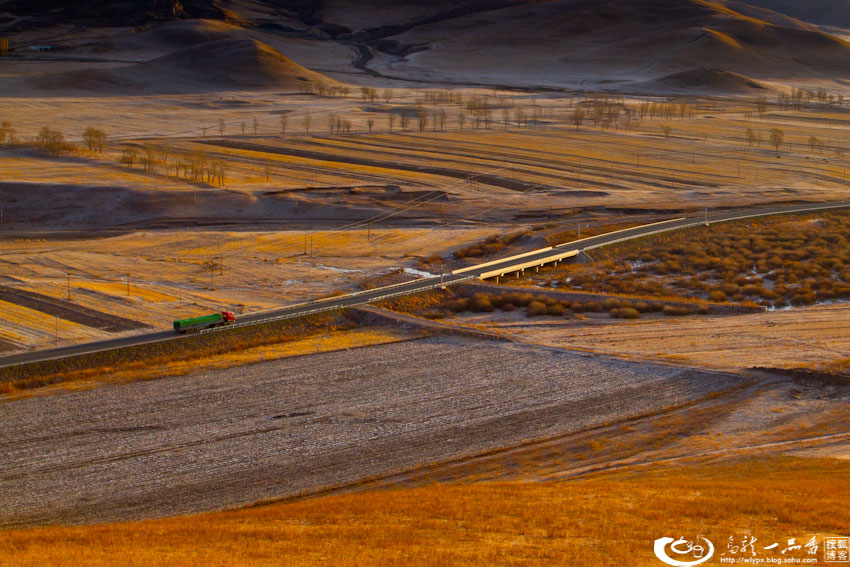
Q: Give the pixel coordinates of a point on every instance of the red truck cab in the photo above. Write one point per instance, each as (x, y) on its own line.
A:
(228, 317)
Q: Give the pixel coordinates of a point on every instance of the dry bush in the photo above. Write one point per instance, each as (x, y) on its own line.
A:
(489, 246)
(798, 259)
(536, 308)
(625, 313)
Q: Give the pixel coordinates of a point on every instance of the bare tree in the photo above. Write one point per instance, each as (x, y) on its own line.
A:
(221, 126)
(404, 120)
(370, 123)
(256, 124)
(441, 116)
(461, 120)
(577, 117)
(388, 95)
(51, 140)
(164, 152)
(391, 120)
(422, 117)
(283, 120)
(149, 160)
(94, 139)
(761, 106)
(777, 136)
(307, 120)
(752, 138)
(243, 128)
(129, 157)
(198, 165)
(666, 129)
(813, 142)
(519, 117)
(7, 132)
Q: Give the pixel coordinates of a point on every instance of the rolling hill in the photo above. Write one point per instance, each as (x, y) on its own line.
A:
(210, 66)
(615, 43)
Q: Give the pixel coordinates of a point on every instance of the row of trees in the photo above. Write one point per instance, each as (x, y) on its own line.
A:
(7, 132)
(193, 166)
(777, 138)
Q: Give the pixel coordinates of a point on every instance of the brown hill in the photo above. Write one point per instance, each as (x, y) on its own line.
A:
(617, 43)
(821, 12)
(714, 81)
(215, 65)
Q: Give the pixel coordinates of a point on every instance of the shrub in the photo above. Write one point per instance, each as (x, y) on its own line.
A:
(672, 311)
(536, 308)
(481, 305)
(556, 309)
(592, 307)
(717, 296)
(625, 313)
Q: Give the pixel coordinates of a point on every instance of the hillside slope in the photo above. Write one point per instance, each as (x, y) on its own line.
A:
(616, 42)
(211, 66)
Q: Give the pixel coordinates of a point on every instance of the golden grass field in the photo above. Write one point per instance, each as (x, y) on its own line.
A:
(175, 274)
(601, 520)
(119, 373)
(547, 172)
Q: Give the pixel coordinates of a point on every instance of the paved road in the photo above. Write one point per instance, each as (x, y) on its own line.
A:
(506, 266)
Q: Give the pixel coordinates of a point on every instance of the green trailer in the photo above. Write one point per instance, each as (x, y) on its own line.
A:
(196, 324)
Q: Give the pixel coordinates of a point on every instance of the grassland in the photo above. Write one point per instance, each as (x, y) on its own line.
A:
(174, 274)
(315, 333)
(393, 197)
(608, 520)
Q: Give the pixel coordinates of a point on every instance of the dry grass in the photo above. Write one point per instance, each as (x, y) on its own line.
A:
(811, 337)
(608, 520)
(171, 272)
(777, 261)
(151, 370)
(302, 335)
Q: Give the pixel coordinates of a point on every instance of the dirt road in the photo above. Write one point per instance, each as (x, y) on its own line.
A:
(232, 437)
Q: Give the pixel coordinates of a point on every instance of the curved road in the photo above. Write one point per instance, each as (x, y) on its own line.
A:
(489, 269)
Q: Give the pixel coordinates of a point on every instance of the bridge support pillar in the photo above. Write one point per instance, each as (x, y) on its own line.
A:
(583, 258)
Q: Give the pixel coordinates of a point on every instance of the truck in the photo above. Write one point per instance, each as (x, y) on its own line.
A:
(196, 324)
